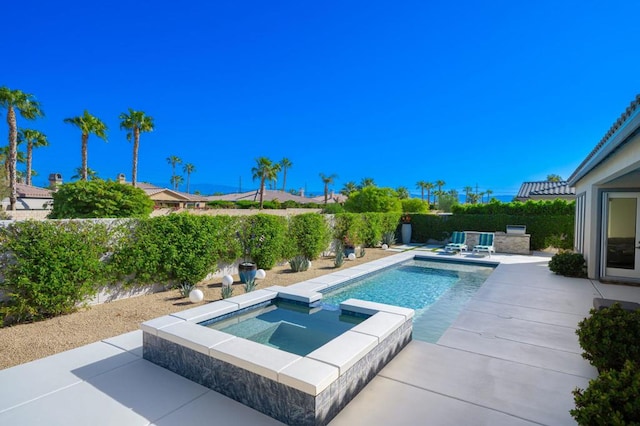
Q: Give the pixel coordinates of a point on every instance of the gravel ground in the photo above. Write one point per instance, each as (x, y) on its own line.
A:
(27, 342)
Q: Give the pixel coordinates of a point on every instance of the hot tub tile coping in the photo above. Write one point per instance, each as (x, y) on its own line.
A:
(345, 350)
(299, 295)
(193, 336)
(370, 308)
(381, 325)
(153, 325)
(213, 309)
(309, 375)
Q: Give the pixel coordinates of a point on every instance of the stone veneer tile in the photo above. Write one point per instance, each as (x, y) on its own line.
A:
(194, 336)
(254, 357)
(371, 308)
(345, 350)
(308, 375)
(152, 326)
(209, 310)
(380, 325)
(252, 298)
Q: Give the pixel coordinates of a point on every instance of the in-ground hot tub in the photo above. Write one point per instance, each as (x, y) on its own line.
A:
(296, 389)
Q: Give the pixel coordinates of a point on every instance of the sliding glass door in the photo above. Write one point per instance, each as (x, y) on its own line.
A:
(622, 234)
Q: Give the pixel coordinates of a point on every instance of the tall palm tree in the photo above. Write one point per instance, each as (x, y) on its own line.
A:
(87, 124)
(429, 186)
(468, 190)
(348, 188)
(265, 170)
(440, 184)
(421, 185)
(29, 109)
(174, 160)
(135, 122)
(327, 180)
(4, 158)
(176, 180)
(188, 169)
(488, 192)
(33, 139)
(285, 164)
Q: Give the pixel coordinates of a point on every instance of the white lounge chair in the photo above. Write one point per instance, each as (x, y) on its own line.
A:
(485, 243)
(458, 243)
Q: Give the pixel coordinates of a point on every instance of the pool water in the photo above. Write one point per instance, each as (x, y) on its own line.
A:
(437, 291)
(288, 326)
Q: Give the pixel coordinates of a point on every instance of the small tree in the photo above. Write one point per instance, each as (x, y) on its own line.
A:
(99, 198)
(373, 199)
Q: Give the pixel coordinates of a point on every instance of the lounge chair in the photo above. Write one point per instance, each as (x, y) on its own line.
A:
(485, 243)
(458, 242)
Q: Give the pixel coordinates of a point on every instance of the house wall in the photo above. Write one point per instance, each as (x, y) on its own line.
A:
(29, 203)
(607, 176)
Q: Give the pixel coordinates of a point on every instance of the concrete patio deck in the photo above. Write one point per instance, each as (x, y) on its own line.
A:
(510, 358)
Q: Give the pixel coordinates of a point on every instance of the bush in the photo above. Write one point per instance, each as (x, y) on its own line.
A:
(309, 235)
(299, 263)
(49, 268)
(414, 205)
(556, 207)
(333, 208)
(610, 399)
(99, 198)
(373, 199)
(264, 238)
(568, 264)
(609, 337)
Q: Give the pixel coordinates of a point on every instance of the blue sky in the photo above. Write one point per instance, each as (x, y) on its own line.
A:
(488, 93)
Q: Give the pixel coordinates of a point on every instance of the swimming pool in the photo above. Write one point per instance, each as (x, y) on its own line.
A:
(289, 326)
(436, 290)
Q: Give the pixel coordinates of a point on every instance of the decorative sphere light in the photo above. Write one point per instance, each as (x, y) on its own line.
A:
(384, 247)
(352, 256)
(227, 280)
(196, 295)
(309, 262)
(260, 274)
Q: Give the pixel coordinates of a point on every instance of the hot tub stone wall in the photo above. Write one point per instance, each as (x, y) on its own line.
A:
(277, 400)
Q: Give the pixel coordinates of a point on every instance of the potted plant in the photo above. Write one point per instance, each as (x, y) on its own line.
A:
(247, 268)
(405, 219)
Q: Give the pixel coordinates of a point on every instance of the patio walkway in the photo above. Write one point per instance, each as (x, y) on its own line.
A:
(511, 358)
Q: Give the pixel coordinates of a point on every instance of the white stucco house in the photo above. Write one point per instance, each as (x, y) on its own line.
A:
(31, 198)
(607, 185)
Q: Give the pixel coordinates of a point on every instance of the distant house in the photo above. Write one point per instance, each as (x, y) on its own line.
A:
(332, 197)
(607, 185)
(269, 195)
(545, 190)
(169, 198)
(31, 198)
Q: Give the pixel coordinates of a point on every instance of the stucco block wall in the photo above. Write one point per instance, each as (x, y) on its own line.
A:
(503, 242)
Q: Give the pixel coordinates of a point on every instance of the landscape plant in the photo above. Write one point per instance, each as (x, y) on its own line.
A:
(568, 264)
(373, 199)
(99, 199)
(263, 238)
(226, 291)
(308, 235)
(50, 268)
(609, 337)
(299, 263)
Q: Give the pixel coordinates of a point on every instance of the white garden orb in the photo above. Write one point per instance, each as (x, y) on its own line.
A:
(196, 295)
(227, 280)
(352, 256)
(384, 247)
(309, 262)
(260, 274)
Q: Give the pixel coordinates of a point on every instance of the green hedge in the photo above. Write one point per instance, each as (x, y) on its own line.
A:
(308, 235)
(556, 207)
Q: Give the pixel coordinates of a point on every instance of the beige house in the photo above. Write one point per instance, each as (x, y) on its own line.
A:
(607, 185)
(31, 198)
(168, 198)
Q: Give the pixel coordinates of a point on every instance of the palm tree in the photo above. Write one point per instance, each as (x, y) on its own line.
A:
(265, 170)
(285, 164)
(367, 181)
(176, 180)
(174, 160)
(488, 192)
(429, 186)
(348, 188)
(328, 180)
(440, 184)
(91, 174)
(4, 157)
(403, 192)
(34, 139)
(29, 109)
(421, 185)
(468, 190)
(135, 122)
(88, 124)
(554, 178)
(188, 169)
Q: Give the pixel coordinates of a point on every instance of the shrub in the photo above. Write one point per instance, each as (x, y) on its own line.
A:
(609, 337)
(333, 208)
(389, 238)
(226, 291)
(568, 264)
(414, 205)
(264, 237)
(50, 267)
(99, 198)
(373, 199)
(308, 235)
(339, 260)
(610, 399)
